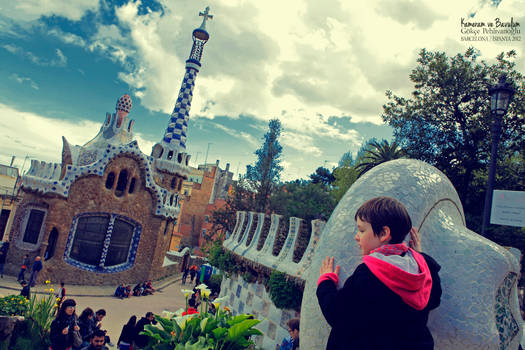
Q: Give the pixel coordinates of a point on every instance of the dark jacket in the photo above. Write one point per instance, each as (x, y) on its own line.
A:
(26, 292)
(3, 256)
(37, 266)
(61, 341)
(140, 339)
(87, 327)
(366, 314)
(127, 335)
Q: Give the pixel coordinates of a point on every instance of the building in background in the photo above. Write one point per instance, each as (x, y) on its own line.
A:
(105, 214)
(9, 198)
(199, 201)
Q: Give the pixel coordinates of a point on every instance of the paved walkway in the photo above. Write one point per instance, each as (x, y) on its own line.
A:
(167, 297)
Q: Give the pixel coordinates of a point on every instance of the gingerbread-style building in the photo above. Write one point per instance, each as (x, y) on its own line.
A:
(105, 214)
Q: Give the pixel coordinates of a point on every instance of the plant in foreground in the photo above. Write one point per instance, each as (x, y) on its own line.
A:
(202, 331)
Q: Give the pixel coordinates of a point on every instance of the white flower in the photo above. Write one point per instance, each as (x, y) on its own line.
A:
(168, 314)
(186, 292)
(202, 286)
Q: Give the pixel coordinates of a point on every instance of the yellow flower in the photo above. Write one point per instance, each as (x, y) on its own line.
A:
(47, 282)
(58, 299)
(205, 292)
(51, 290)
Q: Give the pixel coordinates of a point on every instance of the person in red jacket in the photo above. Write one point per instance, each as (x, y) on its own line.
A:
(385, 303)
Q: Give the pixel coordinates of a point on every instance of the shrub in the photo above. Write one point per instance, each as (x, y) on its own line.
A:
(202, 331)
(222, 259)
(284, 293)
(215, 283)
(13, 305)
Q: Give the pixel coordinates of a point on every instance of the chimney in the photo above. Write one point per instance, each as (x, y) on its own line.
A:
(227, 166)
(12, 160)
(217, 163)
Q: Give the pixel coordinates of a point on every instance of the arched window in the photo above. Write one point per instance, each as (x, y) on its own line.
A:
(34, 226)
(132, 185)
(103, 242)
(110, 180)
(179, 158)
(121, 183)
(174, 182)
(170, 155)
(157, 151)
(51, 244)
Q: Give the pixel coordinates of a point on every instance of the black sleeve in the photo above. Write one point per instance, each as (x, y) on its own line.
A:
(338, 306)
(435, 293)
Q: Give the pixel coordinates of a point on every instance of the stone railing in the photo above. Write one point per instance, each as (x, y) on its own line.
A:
(269, 241)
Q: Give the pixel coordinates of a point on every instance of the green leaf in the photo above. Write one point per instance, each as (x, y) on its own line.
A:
(239, 330)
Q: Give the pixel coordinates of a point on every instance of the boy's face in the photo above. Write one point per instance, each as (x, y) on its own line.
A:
(366, 239)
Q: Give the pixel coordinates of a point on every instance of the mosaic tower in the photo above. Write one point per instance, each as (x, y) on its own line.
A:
(174, 139)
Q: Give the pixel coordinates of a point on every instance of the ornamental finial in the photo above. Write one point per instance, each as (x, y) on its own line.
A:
(206, 15)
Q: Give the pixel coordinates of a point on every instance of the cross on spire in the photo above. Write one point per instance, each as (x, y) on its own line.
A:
(206, 16)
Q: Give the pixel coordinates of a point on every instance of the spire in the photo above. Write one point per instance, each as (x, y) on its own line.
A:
(174, 140)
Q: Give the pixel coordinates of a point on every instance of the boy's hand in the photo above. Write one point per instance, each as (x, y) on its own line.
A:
(328, 266)
(415, 240)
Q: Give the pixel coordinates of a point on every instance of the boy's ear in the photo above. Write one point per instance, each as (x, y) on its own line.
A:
(385, 235)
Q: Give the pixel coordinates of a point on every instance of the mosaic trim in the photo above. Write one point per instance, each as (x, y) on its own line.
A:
(39, 178)
(507, 326)
(132, 252)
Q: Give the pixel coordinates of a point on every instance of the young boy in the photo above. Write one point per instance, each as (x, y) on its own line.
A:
(385, 303)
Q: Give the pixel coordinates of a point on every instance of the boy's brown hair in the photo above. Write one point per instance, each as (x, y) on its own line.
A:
(386, 211)
(293, 324)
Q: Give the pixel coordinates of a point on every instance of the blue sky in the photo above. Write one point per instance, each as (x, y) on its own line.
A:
(322, 68)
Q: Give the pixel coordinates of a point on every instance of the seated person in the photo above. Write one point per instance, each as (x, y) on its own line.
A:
(137, 290)
(149, 285)
(192, 307)
(119, 292)
(127, 291)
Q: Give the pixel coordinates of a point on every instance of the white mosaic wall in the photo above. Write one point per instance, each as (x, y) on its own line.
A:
(479, 307)
(251, 298)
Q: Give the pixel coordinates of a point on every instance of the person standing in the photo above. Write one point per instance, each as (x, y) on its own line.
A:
(125, 341)
(185, 275)
(193, 272)
(61, 294)
(2, 262)
(141, 340)
(23, 268)
(26, 290)
(293, 329)
(37, 267)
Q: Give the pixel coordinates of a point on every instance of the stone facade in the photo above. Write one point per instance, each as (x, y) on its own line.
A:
(106, 213)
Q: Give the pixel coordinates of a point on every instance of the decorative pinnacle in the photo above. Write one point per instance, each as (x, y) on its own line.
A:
(206, 16)
(124, 104)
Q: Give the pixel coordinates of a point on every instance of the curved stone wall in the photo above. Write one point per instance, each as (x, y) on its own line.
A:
(479, 307)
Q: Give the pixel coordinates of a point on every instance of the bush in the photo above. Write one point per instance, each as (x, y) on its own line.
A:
(202, 331)
(222, 259)
(284, 293)
(215, 283)
(14, 305)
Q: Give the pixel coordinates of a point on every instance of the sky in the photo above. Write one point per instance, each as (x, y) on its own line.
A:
(321, 67)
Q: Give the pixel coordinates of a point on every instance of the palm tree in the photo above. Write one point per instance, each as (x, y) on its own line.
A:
(377, 153)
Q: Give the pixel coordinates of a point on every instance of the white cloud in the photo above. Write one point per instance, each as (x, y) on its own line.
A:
(60, 60)
(300, 142)
(28, 10)
(22, 80)
(28, 134)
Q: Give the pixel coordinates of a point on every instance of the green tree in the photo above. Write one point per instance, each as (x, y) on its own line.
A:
(302, 199)
(223, 219)
(265, 173)
(447, 120)
(323, 176)
(377, 153)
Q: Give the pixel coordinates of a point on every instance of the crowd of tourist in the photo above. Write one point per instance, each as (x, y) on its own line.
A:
(142, 288)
